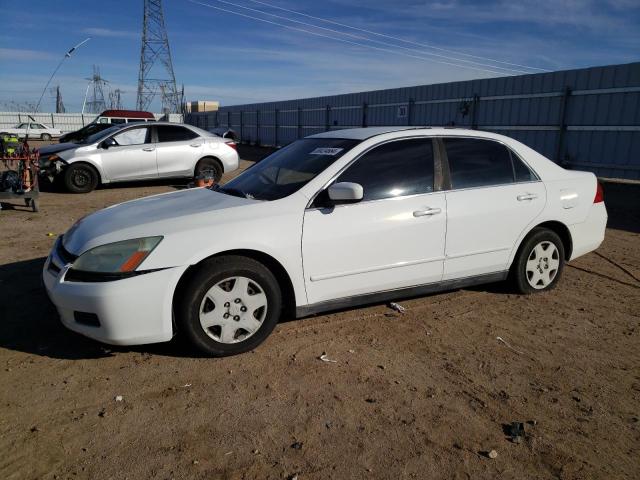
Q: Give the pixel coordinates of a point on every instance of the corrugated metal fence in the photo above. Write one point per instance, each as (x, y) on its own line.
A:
(587, 119)
(67, 122)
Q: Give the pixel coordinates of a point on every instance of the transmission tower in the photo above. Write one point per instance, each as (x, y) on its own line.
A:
(96, 103)
(115, 101)
(155, 53)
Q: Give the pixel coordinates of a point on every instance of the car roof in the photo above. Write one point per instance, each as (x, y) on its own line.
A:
(370, 132)
(126, 114)
(361, 133)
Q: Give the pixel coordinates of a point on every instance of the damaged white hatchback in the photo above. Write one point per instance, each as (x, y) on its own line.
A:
(331, 221)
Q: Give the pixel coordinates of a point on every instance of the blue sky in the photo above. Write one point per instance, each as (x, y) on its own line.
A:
(233, 59)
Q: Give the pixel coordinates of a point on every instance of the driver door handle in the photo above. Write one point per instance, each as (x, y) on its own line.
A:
(148, 149)
(195, 145)
(427, 212)
(527, 196)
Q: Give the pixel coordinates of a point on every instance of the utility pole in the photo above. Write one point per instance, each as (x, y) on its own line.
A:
(59, 104)
(155, 53)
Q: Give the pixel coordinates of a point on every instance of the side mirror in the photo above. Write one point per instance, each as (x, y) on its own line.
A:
(109, 142)
(346, 192)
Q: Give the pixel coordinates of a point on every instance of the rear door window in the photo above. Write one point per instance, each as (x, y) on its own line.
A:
(170, 133)
(478, 163)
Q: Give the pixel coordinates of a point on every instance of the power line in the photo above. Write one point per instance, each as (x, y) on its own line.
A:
(360, 37)
(345, 41)
(425, 45)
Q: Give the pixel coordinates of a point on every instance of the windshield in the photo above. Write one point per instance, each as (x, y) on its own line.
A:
(289, 169)
(100, 135)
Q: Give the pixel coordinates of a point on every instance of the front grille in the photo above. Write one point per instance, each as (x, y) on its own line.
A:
(64, 254)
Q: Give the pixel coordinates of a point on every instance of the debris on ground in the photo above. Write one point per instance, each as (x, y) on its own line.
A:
(500, 339)
(118, 398)
(514, 430)
(492, 454)
(397, 307)
(296, 445)
(324, 358)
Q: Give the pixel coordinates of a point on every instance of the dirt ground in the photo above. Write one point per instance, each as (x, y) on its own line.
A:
(424, 394)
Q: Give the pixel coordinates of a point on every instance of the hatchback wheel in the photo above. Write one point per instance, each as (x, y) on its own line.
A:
(539, 263)
(45, 136)
(230, 305)
(80, 178)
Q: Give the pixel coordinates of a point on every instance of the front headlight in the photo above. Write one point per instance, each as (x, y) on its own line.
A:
(116, 257)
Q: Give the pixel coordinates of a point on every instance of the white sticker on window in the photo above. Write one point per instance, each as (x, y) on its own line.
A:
(326, 151)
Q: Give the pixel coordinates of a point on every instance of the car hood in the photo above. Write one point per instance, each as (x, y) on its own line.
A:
(150, 216)
(56, 147)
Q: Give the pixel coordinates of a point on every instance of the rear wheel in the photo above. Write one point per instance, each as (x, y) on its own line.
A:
(229, 306)
(80, 178)
(539, 262)
(209, 167)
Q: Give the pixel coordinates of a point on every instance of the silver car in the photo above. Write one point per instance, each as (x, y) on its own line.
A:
(140, 152)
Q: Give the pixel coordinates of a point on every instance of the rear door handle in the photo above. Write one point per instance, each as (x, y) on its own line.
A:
(527, 196)
(427, 212)
(148, 149)
(195, 145)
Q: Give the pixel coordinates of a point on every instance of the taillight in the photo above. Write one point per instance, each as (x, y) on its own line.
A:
(599, 194)
(233, 145)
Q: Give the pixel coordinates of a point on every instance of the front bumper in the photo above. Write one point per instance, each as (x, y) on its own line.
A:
(130, 311)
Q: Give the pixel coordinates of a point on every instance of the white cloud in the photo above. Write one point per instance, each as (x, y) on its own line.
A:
(108, 32)
(22, 54)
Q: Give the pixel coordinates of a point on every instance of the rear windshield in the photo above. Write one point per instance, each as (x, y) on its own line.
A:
(289, 169)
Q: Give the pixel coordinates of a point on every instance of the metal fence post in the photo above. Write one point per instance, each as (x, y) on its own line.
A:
(562, 125)
(410, 107)
(327, 113)
(474, 113)
(241, 126)
(364, 114)
(275, 127)
(53, 123)
(299, 122)
(258, 126)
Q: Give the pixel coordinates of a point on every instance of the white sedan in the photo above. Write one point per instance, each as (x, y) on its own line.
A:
(139, 151)
(34, 130)
(334, 220)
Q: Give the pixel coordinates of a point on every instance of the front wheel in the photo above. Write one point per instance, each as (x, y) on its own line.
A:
(45, 136)
(80, 178)
(229, 306)
(539, 262)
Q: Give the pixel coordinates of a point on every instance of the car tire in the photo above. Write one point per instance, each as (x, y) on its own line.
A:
(539, 262)
(245, 295)
(45, 136)
(209, 166)
(80, 178)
